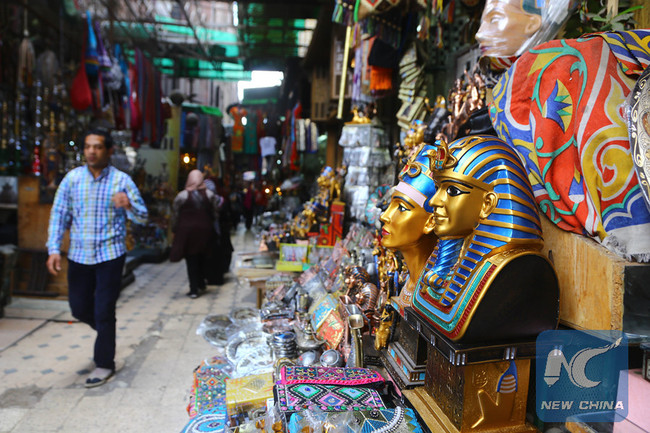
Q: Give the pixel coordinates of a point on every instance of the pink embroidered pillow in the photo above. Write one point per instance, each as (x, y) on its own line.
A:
(295, 374)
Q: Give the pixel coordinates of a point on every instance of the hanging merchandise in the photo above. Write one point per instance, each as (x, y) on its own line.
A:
(261, 123)
(365, 8)
(237, 140)
(267, 146)
(344, 12)
(311, 134)
(361, 94)
(92, 56)
(250, 134)
(134, 106)
(26, 58)
(81, 97)
(295, 115)
(47, 67)
(103, 58)
(412, 91)
(387, 27)
(301, 139)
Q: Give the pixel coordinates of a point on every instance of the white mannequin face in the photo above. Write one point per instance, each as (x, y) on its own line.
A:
(505, 26)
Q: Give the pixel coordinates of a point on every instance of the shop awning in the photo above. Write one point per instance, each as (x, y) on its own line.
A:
(203, 109)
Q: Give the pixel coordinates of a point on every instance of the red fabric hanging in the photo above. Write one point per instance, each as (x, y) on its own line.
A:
(81, 97)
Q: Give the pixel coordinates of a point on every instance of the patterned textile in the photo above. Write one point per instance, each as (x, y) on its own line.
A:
(295, 374)
(84, 205)
(561, 105)
(398, 420)
(211, 421)
(330, 398)
(208, 386)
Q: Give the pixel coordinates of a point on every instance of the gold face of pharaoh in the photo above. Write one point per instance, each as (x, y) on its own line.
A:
(459, 206)
(505, 26)
(405, 222)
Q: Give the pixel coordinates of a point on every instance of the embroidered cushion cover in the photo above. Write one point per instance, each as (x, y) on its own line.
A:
(295, 374)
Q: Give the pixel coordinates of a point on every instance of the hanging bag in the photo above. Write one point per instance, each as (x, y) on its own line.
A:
(104, 60)
(81, 97)
(92, 55)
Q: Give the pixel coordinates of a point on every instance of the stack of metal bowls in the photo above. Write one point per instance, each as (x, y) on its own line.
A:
(284, 345)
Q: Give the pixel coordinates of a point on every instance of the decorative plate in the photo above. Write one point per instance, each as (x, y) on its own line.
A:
(245, 314)
(639, 130)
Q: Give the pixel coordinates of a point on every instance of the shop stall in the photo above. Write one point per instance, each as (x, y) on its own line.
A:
(444, 303)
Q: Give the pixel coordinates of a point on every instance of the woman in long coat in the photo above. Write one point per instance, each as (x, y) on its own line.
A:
(194, 213)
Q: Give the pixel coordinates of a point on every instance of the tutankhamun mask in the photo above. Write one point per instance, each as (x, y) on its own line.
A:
(486, 278)
(408, 220)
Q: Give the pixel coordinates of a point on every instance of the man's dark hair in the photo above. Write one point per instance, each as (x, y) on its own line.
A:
(102, 132)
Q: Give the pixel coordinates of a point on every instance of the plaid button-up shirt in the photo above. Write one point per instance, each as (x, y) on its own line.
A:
(84, 205)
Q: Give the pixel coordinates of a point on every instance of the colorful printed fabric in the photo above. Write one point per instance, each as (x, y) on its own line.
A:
(561, 105)
(211, 421)
(295, 374)
(329, 398)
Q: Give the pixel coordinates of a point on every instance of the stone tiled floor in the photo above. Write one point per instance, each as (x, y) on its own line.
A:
(46, 356)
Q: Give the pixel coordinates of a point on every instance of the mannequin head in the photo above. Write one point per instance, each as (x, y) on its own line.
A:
(506, 25)
(511, 27)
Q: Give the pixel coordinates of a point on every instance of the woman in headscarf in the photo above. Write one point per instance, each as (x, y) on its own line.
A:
(194, 212)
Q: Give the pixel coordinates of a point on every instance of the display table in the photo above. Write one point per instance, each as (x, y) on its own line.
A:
(258, 264)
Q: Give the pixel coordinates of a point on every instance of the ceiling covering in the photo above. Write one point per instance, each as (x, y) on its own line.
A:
(202, 39)
(223, 40)
(272, 31)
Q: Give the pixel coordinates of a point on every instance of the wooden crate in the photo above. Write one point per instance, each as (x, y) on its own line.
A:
(33, 219)
(596, 286)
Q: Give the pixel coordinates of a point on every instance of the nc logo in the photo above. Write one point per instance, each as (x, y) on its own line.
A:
(555, 361)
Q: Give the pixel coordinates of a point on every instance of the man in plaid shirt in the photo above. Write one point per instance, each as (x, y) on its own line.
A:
(93, 202)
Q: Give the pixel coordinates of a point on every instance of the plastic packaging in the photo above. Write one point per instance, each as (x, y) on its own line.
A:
(213, 329)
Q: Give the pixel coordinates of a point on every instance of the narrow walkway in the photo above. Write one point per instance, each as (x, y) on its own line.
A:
(42, 373)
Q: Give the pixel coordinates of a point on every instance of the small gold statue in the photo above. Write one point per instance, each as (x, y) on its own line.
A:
(383, 331)
(358, 118)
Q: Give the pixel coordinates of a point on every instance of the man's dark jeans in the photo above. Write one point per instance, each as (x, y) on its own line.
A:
(92, 293)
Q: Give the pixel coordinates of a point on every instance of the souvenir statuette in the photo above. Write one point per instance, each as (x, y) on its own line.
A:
(487, 279)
